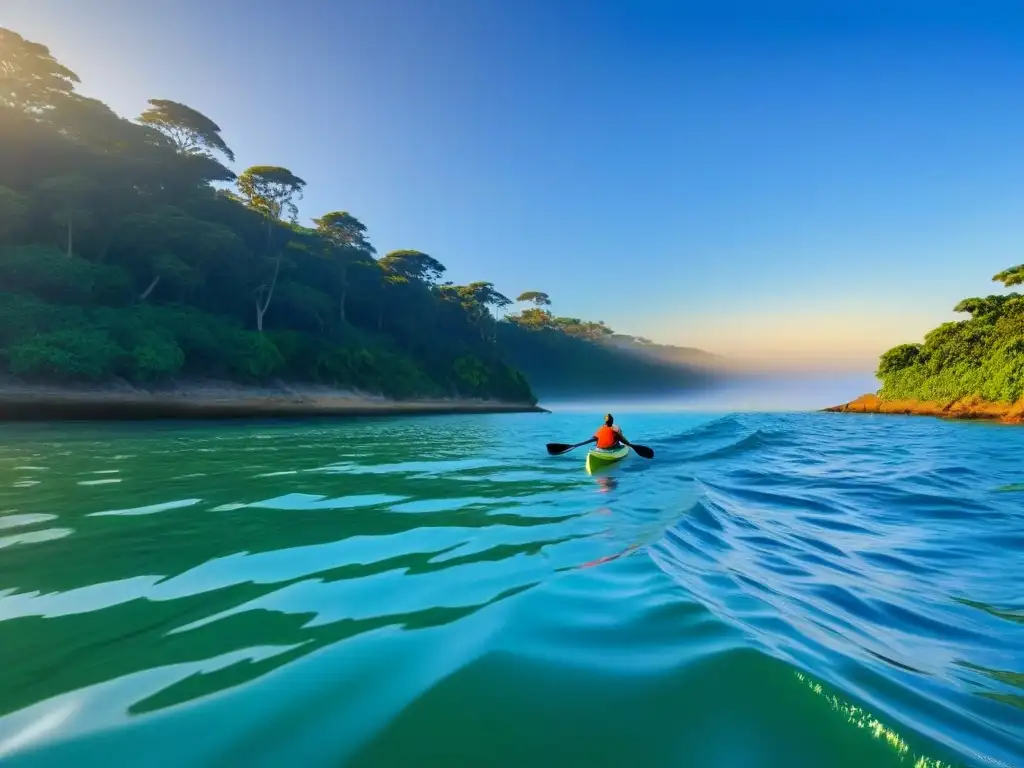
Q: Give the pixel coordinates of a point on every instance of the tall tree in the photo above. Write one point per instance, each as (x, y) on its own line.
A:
(405, 280)
(189, 130)
(346, 238)
(271, 191)
(482, 296)
(344, 229)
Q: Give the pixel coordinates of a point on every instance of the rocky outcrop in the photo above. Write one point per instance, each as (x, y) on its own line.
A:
(965, 408)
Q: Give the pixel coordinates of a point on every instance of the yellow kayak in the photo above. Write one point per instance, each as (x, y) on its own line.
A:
(599, 459)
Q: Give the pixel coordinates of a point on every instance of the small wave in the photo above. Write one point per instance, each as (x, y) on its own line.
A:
(751, 442)
(34, 537)
(150, 509)
(17, 521)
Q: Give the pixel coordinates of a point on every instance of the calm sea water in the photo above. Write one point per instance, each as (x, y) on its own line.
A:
(771, 590)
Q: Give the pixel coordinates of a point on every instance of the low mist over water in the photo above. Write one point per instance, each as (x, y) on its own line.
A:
(776, 391)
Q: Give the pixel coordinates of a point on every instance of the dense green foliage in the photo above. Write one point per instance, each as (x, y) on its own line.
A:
(980, 356)
(563, 365)
(129, 249)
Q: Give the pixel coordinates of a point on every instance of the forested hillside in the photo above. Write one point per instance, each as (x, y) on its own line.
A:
(570, 357)
(130, 249)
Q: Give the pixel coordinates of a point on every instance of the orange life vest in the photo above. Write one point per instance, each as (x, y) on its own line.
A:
(606, 437)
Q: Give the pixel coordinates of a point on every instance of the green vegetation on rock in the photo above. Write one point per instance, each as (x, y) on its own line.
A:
(128, 249)
(981, 356)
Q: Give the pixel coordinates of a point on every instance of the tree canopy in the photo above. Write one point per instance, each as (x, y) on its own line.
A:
(413, 265)
(191, 132)
(1012, 276)
(344, 230)
(32, 79)
(272, 191)
(539, 298)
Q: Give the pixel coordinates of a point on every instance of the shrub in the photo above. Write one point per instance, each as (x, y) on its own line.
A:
(253, 356)
(69, 355)
(153, 356)
(46, 273)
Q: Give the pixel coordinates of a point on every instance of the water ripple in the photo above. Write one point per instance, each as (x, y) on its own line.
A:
(772, 589)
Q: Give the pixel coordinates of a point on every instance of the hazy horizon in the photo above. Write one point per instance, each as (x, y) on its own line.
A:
(773, 391)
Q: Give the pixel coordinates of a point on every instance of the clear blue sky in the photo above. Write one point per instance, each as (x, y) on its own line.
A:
(808, 179)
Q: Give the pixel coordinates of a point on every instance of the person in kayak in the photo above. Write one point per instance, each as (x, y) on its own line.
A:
(608, 436)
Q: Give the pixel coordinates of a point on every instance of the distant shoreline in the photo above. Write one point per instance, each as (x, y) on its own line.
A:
(221, 400)
(963, 408)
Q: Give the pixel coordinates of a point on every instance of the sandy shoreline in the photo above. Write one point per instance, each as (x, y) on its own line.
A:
(220, 400)
(964, 408)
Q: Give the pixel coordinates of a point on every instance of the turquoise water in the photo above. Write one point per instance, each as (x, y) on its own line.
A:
(771, 590)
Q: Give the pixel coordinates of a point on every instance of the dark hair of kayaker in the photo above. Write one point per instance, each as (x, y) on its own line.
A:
(609, 419)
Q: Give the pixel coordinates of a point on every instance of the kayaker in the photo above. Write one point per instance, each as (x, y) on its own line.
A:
(608, 435)
(610, 442)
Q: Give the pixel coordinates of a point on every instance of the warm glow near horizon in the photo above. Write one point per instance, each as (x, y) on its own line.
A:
(838, 340)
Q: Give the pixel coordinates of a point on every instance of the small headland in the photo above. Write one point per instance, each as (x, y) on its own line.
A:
(971, 407)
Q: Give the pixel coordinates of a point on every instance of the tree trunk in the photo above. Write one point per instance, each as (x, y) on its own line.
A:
(261, 311)
(259, 316)
(145, 294)
(71, 229)
(344, 294)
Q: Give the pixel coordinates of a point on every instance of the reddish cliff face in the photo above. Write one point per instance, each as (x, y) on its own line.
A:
(964, 408)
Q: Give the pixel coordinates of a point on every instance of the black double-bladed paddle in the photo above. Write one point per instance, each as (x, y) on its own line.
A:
(557, 449)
